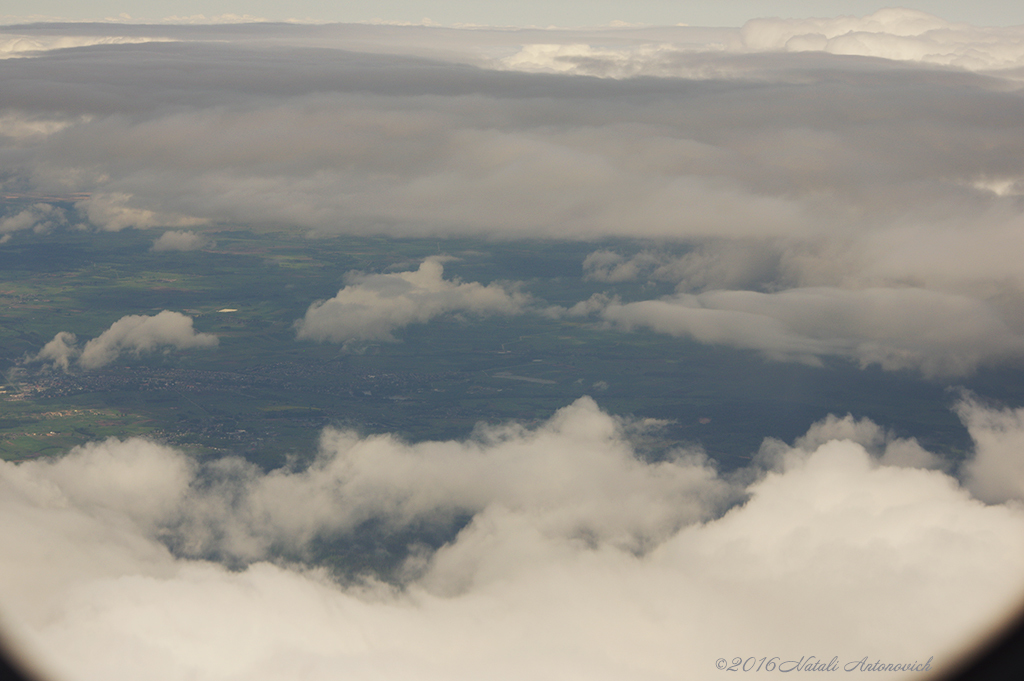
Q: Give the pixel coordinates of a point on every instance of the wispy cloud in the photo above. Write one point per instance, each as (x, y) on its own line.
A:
(897, 328)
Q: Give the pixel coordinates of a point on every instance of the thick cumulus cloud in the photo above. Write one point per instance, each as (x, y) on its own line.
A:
(996, 473)
(134, 334)
(936, 333)
(580, 559)
(372, 306)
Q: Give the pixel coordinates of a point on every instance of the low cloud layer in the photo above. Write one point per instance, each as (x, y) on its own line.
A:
(579, 557)
(896, 328)
(896, 34)
(777, 167)
(372, 307)
(132, 334)
(771, 167)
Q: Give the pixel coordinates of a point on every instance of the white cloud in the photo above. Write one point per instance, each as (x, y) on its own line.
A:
(62, 350)
(893, 33)
(580, 558)
(886, 447)
(372, 306)
(181, 240)
(40, 217)
(112, 213)
(140, 333)
(996, 472)
(134, 334)
(936, 333)
(896, 34)
(22, 45)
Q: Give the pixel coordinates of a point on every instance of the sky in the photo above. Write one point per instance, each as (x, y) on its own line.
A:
(565, 13)
(846, 187)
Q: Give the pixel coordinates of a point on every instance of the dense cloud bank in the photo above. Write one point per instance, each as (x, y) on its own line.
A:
(131, 334)
(580, 559)
(898, 328)
(882, 166)
(623, 51)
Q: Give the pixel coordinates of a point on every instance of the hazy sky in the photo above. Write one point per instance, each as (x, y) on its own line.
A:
(524, 13)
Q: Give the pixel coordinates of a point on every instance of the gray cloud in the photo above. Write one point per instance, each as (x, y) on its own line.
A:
(372, 306)
(580, 558)
(714, 264)
(797, 171)
(845, 168)
(135, 334)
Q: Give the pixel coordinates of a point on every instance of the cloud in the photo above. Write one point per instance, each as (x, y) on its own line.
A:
(823, 161)
(21, 45)
(889, 449)
(372, 306)
(825, 157)
(62, 350)
(897, 34)
(579, 558)
(40, 217)
(892, 33)
(181, 240)
(729, 264)
(134, 334)
(897, 328)
(112, 213)
(608, 266)
(838, 181)
(996, 472)
(20, 127)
